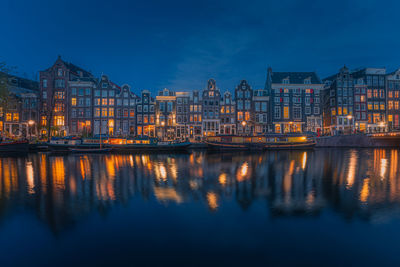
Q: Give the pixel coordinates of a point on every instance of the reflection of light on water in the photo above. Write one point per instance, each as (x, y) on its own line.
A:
(242, 173)
(174, 170)
(222, 179)
(383, 167)
(364, 190)
(163, 172)
(30, 178)
(131, 160)
(352, 169)
(194, 185)
(287, 179)
(212, 200)
(58, 171)
(167, 194)
(304, 161)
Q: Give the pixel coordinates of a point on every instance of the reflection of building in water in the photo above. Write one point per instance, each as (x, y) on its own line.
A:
(63, 189)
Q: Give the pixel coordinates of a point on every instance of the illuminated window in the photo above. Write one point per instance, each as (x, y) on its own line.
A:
(370, 107)
(111, 112)
(73, 101)
(390, 94)
(97, 112)
(104, 101)
(240, 116)
(339, 110)
(286, 112)
(110, 123)
(44, 121)
(125, 113)
(131, 113)
(396, 104)
(111, 101)
(199, 118)
(8, 117)
(333, 111)
(345, 111)
(222, 109)
(369, 93)
(382, 106)
(59, 120)
(104, 112)
(390, 105)
(247, 116)
(16, 117)
(145, 119)
(390, 118)
(97, 101)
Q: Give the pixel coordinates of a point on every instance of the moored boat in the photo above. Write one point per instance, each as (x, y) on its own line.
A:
(290, 141)
(231, 142)
(14, 147)
(271, 141)
(147, 144)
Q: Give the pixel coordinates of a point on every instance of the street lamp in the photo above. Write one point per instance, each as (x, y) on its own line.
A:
(30, 124)
(163, 125)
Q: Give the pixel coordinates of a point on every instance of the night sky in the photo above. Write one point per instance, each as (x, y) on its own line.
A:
(180, 44)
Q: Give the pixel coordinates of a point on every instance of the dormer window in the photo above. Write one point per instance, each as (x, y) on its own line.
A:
(398, 77)
(104, 85)
(286, 81)
(307, 81)
(59, 72)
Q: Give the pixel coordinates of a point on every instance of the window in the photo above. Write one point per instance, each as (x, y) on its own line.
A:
(87, 91)
(60, 83)
(44, 83)
(73, 101)
(104, 101)
(97, 112)
(277, 112)
(87, 101)
(104, 112)
(316, 110)
(15, 116)
(44, 95)
(97, 93)
(111, 93)
(111, 112)
(104, 93)
(111, 102)
(264, 106)
(73, 91)
(59, 72)
(131, 113)
(297, 113)
(59, 120)
(81, 92)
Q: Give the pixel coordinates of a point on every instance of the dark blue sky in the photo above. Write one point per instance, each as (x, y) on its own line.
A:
(180, 44)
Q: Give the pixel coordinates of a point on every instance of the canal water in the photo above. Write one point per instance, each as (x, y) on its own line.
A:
(322, 207)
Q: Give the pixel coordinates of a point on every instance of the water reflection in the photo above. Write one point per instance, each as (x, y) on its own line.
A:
(61, 190)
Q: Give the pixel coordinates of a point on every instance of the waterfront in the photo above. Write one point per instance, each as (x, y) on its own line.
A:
(328, 206)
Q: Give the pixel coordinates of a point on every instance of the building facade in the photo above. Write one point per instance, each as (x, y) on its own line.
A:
(211, 98)
(228, 115)
(244, 108)
(195, 116)
(165, 109)
(19, 108)
(260, 110)
(295, 101)
(125, 115)
(145, 115)
(55, 99)
(393, 99)
(374, 78)
(182, 115)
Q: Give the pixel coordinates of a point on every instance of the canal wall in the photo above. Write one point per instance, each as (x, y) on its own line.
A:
(355, 141)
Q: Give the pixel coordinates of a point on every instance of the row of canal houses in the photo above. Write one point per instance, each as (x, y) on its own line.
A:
(69, 100)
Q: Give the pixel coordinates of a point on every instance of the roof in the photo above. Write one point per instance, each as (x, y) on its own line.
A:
(19, 82)
(295, 77)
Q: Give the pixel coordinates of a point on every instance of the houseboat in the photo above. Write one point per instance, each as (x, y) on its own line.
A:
(272, 141)
(14, 147)
(146, 144)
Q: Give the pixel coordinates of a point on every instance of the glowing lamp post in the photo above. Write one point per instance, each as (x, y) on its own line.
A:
(30, 124)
